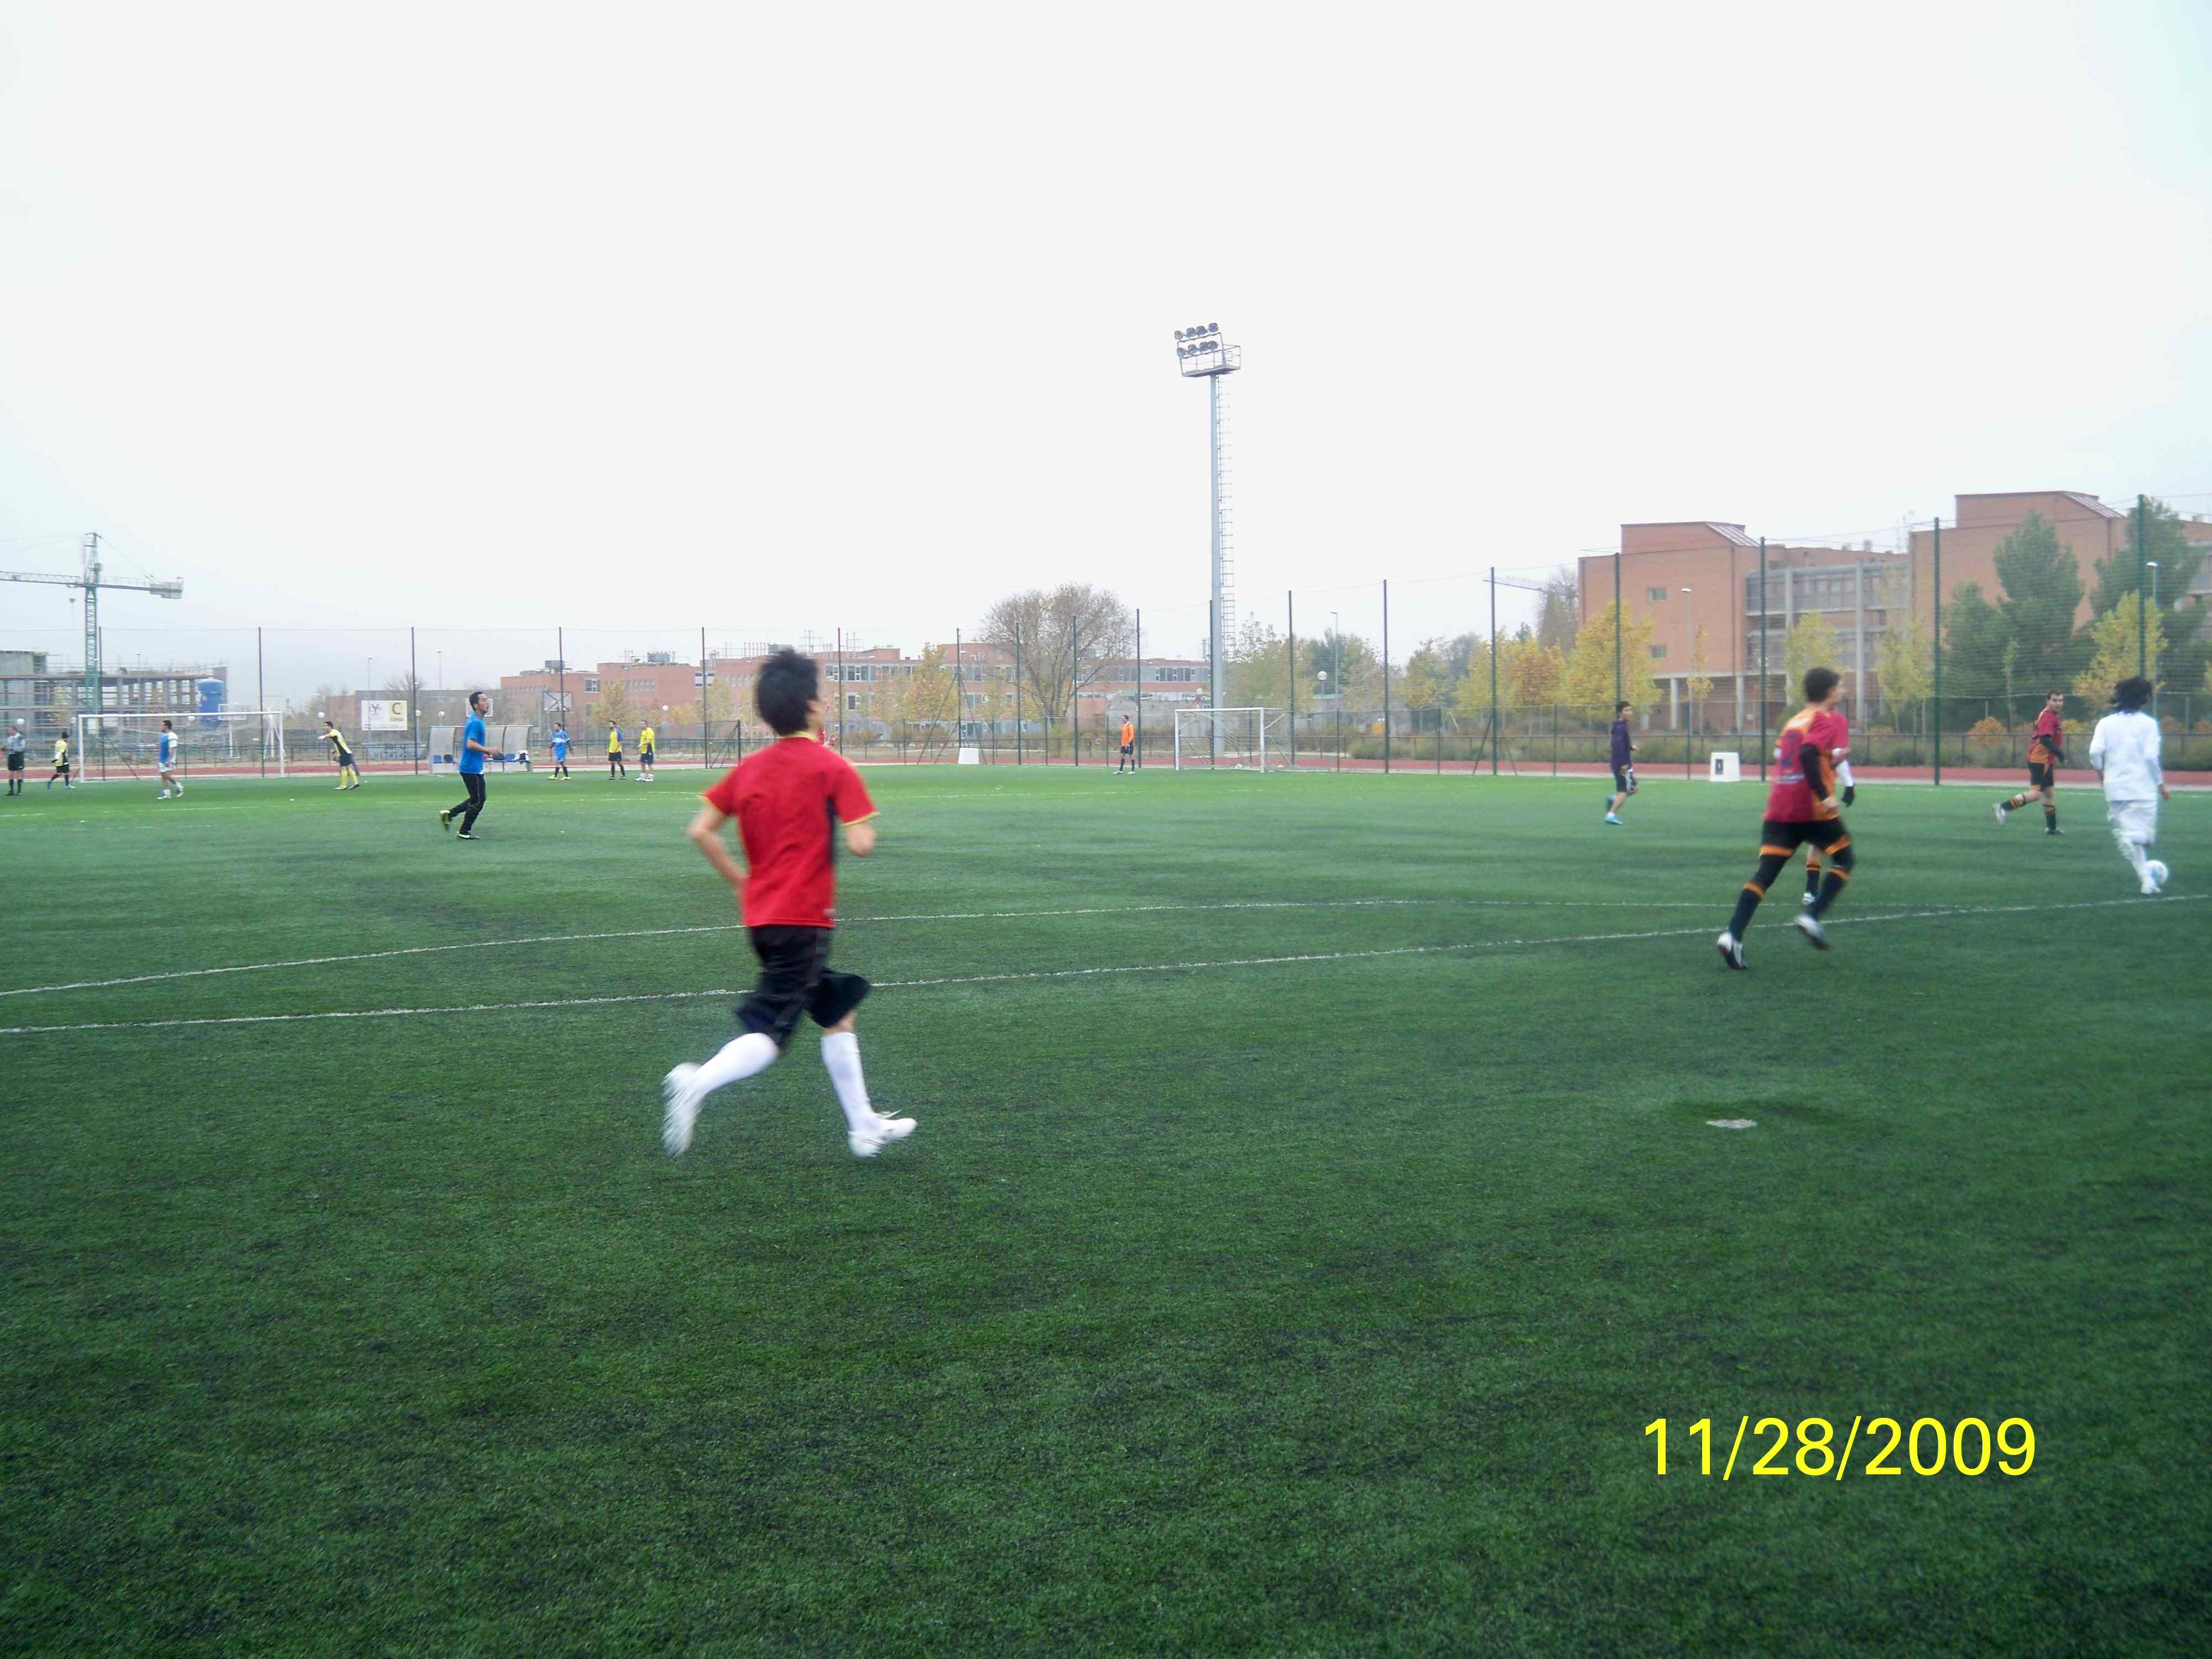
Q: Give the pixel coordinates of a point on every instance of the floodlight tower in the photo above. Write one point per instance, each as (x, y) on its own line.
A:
(1200, 353)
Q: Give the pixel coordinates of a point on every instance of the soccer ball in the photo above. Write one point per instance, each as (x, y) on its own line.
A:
(2158, 871)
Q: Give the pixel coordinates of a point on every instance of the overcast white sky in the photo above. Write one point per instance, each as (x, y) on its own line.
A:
(770, 317)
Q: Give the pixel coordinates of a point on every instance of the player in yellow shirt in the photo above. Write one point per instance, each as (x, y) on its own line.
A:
(342, 754)
(615, 753)
(645, 756)
(61, 762)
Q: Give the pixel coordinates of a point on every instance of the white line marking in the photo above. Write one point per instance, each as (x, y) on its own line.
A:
(852, 921)
(1073, 973)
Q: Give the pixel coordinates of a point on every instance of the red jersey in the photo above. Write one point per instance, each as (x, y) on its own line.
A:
(788, 800)
(1791, 800)
(2046, 726)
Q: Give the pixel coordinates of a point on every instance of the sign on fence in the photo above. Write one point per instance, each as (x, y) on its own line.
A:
(377, 715)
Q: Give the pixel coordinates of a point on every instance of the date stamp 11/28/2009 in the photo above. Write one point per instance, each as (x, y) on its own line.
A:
(1929, 1446)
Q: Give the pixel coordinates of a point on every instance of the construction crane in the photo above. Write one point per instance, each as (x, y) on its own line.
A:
(91, 584)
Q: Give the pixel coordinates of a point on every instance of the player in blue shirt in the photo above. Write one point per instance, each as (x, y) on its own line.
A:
(561, 751)
(167, 762)
(476, 750)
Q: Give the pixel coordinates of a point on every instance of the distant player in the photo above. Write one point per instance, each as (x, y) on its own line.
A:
(645, 756)
(1801, 807)
(167, 760)
(2125, 752)
(1624, 764)
(615, 754)
(2046, 752)
(15, 758)
(341, 755)
(561, 751)
(61, 762)
(1128, 748)
(476, 750)
(787, 799)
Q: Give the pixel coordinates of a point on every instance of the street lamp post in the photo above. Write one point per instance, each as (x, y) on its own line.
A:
(1336, 633)
(2151, 565)
(1689, 652)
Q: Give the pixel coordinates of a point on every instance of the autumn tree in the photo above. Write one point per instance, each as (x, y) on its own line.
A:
(1069, 638)
(1810, 643)
(1701, 683)
(2118, 645)
(1904, 657)
(1591, 672)
(1427, 682)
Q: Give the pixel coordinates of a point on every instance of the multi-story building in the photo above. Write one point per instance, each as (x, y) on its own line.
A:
(47, 698)
(1979, 524)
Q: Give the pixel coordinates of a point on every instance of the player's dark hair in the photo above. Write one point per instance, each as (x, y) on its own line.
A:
(1818, 682)
(165, 726)
(1618, 707)
(2053, 692)
(473, 696)
(2132, 693)
(786, 683)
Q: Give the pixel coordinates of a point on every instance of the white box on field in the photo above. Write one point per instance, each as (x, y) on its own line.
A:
(1727, 767)
(970, 756)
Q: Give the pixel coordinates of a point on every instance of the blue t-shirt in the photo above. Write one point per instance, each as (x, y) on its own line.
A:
(168, 747)
(472, 760)
(559, 745)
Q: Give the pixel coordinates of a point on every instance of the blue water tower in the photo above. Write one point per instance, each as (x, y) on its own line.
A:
(211, 700)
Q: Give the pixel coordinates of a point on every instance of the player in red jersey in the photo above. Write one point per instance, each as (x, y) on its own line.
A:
(1840, 749)
(1803, 807)
(788, 800)
(2046, 752)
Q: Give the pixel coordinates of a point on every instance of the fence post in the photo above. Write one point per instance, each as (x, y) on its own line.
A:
(261, 702)
(1291, 618)
(1386, 677)
(1018, 694)
(1938, 551)
(414, 710)
(1620, 559)
(1075, 689)
(1762, 660)
(1141, 690)
(2143, 553)
(1494, 732)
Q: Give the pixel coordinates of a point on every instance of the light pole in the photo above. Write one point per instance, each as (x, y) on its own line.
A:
(1689, 653)
(2151, 565)
(1200, 353)
(1336, 635)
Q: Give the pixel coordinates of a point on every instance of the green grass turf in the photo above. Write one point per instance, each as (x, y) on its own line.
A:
(1309, 1308)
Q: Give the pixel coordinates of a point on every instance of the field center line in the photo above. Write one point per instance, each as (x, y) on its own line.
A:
(1937, 913)
(853, 922)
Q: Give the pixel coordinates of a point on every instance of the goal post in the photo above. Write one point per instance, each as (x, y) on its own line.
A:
(1230, 739)
(129, 745)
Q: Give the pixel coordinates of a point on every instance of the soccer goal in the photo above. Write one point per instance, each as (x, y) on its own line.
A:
(130, 745)
(1230, 739)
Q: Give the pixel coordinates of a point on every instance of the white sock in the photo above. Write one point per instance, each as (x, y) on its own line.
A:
(738, 1060)
(841, 1054)
(2132, 851)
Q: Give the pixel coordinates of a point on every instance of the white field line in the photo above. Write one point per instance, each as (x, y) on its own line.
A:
(853, 922)
(1939, 914)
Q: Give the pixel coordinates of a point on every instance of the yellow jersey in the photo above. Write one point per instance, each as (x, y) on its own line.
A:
(645, 738)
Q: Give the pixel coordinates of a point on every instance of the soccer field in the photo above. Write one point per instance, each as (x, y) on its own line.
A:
(1315, 1200)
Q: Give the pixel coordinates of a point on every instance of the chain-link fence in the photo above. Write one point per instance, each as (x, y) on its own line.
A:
(1967, 645)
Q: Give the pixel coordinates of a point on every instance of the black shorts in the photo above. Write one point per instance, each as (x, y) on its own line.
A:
(342, 760)
(2041, 774)
(1827, 834)
(1624, 780)
(1128, 748)
(644, 757)
(796, 978)
(15, 760)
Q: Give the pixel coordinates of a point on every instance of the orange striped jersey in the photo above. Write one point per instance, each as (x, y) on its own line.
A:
(1791, 798)
(2046, 726)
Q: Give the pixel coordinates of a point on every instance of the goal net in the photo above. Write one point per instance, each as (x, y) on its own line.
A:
(130, 745)
(1232, 739)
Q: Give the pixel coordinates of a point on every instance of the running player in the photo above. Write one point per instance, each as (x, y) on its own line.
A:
(2046, 752)
(171, 784)
(341, 755)
(561, 751)
(787, 799)
(645, 756)
(1801, 806)
(2125, 752)
(61, 762)
(1841, 741)
(1624, 764)
(476, 750)
(1128, 748)
(15, 758)
(615, 754)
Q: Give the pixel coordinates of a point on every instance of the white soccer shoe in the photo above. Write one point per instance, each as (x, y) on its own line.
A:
(1731, 950)
(866, 1143)
(683, 1110)
(2004, 817)
(1816, 934)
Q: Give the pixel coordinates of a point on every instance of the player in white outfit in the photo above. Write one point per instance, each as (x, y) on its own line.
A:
(168, 761)
(2125, 751)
